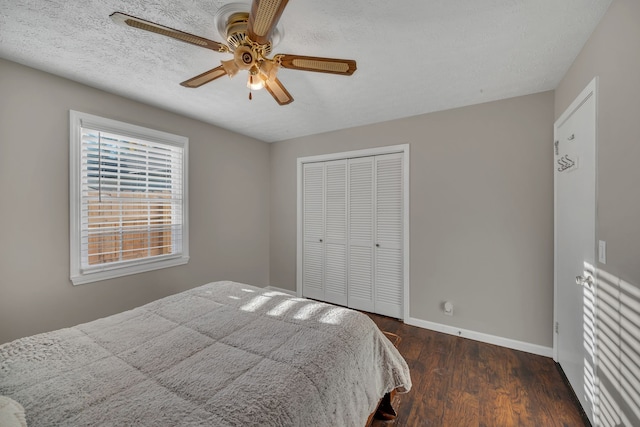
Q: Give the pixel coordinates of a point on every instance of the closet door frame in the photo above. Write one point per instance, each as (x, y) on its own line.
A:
(401, 148)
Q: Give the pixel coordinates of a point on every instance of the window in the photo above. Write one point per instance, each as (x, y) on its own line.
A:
(128, 199)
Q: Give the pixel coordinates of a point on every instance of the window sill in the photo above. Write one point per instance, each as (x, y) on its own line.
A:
(95, 276)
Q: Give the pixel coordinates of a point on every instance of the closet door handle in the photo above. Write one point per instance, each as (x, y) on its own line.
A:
(320, 240)
(377, 245)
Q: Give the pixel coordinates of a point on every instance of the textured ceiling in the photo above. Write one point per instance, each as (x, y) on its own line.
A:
(414, 56)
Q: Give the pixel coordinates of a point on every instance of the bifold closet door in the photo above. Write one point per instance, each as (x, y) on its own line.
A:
(389, 220)
(352, 243)
(375, 268)
(313, 231)
(361, 234)
(335, 248)
(324, 275)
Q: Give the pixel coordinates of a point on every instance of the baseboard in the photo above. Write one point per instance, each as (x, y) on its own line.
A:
(286, 291)
(482, 337)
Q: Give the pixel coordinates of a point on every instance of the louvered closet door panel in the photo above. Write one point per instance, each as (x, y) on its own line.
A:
(313, 231)
(335, 278)
(312, 270)
(389, 235)
(361, 222)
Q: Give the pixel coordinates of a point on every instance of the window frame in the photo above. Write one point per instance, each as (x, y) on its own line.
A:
(78, 120)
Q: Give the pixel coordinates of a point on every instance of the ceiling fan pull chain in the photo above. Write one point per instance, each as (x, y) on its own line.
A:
(251, 83)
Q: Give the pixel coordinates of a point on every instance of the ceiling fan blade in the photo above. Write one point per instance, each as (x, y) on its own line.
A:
(205, 77)
(132, 21)
(278, 91)
(263, 18)
(345, 67)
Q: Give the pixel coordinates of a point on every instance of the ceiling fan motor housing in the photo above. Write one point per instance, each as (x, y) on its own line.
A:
(236, 32)
(237, 29)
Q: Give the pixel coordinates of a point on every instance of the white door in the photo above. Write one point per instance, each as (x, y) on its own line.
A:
(389, 218)
(575, 207)
(324, 274)
(313, 231)
(335, 241)
(361, 238)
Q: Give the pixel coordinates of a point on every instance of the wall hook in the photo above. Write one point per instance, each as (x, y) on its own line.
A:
(565, 163)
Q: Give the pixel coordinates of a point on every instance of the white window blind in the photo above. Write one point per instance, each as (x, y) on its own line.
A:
(131, 199)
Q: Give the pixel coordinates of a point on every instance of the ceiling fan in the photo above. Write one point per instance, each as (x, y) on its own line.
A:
(249, 37)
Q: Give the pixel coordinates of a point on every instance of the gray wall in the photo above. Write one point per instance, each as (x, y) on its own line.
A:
(481, 214)
(613, 54)
(228, 214)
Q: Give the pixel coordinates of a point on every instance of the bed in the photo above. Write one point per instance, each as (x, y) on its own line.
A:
(222, 354)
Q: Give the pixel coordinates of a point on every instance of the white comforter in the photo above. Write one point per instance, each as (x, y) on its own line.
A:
(223, 354)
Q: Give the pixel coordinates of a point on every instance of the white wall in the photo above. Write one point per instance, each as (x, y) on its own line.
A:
(228, 214)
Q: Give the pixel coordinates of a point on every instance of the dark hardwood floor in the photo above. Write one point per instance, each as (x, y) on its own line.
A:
(459, 382)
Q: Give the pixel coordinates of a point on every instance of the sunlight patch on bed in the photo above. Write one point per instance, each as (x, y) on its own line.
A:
(333, 316)
(255, 303)
(282, 308)
(307, 311)
(275, 294)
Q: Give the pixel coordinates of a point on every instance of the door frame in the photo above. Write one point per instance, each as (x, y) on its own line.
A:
(400, 148)
(590, 91)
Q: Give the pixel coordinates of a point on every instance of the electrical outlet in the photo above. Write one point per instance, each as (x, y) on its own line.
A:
(448, 308)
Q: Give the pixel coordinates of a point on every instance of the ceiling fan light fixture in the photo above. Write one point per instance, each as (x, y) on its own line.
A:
(269, 69)
(230, 67)
(256, 80)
